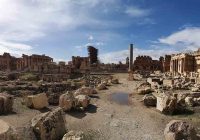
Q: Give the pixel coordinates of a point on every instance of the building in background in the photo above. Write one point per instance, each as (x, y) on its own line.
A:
(146, 63)
(93, 55)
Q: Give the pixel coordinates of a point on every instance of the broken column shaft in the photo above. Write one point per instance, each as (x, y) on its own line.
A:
(131, 57)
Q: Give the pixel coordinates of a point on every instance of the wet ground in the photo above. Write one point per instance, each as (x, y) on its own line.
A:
(121, 98)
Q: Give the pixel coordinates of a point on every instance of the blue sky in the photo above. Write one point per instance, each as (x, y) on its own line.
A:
(62, 28)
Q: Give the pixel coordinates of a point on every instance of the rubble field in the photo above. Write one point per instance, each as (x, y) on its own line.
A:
(87, 108)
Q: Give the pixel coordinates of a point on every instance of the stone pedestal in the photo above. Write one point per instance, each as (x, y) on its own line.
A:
(130, 76)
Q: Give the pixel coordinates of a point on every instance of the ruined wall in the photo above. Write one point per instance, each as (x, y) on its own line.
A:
(182, 63)
(7, 62)
(197, 60)
(166, 63)
(145, 63)
(93, 55)
(80, 63)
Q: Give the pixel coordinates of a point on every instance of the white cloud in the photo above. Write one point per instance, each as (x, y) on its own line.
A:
(115, 57)
(14, 48)
(188, 38)
(95, 44)
(137, 12)
(23, 21)
(90, 38)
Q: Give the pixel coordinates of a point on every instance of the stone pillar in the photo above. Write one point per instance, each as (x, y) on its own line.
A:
(131, 57)
(184, 65)
(179, 64)
(173, 67)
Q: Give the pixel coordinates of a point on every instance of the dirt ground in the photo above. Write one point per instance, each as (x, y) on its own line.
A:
(107, 119)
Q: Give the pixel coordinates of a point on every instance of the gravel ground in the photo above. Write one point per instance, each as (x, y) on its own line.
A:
(113, 121)
(106, 119)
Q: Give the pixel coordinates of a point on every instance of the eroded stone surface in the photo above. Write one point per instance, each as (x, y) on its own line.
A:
(50, 125)
(180, 130)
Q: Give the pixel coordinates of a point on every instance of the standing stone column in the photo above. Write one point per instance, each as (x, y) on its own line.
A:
(131, 57)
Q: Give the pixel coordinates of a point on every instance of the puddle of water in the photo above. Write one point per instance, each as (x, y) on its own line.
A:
(121, 98)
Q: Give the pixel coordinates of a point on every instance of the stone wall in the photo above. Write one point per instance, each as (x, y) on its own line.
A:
(93, 55)
(80, 63)
(145, 63)
(7, 62)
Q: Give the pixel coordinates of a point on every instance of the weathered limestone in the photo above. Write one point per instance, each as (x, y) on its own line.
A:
(149, 100)
(197, 101)
(180, 130)
(166, 104)
(168, 82)
(50, 125)
(85, 91)
(105, 82)
(181, 99)
(38, 101)
(74, 136)
(82, 101)
(144, 88)
(189, 101)
(24, 132)
(5, 130)
(102, 86)
(66, 101)
(114, 81)
(195, 89)
(151, 80)
(6, 103)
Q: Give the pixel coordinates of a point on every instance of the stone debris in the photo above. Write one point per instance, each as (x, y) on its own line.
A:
(144, 88)
(50, 125)
(179, 130)
(72, 135)
(197, 101)
(195, 89)
(149, 100)
(102, 86)
(85, 91)
(24, 132)
(38, 101)
(6, 103)
(189, 101)
(105, 82)
(66, 101)
(5, 131)
(171, 80)
(114, 81)
(81, 102)
(166, 104)
(69, 100)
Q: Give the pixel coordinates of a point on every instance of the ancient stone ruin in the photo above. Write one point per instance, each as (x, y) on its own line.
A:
(86, 99)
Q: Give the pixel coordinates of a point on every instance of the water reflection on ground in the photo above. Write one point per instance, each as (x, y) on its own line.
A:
(121, 98)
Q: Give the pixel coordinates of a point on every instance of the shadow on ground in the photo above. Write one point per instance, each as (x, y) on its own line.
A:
(44, 110)
(81, 114)
(94, 97)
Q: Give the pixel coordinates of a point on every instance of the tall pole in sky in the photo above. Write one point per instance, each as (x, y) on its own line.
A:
(131, 57)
